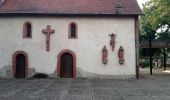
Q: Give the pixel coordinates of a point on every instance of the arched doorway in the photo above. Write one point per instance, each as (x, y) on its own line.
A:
(66, 64)
(20, 65)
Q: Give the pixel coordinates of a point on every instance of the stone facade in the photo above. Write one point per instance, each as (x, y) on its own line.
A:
(93, 34)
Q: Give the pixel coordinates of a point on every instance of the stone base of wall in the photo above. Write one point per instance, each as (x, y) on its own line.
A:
(112, 77)
(83, 74)
(31, 72)
(7, 73)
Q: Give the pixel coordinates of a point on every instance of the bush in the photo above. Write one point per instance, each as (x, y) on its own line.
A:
(144, 63)
(40, 75)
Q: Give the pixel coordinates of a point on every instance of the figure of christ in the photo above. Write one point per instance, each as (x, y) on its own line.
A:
(48, 32)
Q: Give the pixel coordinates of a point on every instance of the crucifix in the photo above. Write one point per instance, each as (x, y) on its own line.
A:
(48, 32)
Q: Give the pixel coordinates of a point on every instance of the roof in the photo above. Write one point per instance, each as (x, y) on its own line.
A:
(71, 7)
(155, 44)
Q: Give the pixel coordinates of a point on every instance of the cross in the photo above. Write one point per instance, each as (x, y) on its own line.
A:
(48, 32)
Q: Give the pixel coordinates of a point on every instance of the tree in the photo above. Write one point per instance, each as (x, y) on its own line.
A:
(155, 23)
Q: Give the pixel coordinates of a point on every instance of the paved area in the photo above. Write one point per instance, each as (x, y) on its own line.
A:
(155, 87)
(161, 70)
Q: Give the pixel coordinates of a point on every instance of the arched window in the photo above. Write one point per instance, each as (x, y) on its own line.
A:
(27, 31)
(73, 30)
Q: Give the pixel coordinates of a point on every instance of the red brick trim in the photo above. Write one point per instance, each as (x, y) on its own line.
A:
(59, 60)
(25, 30)
(14, 63)
(69, 30)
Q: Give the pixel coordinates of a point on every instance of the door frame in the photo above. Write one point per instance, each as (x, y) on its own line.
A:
(59, 62)
(14, 59)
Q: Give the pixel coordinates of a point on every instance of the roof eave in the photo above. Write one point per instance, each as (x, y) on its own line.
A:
(65, 14)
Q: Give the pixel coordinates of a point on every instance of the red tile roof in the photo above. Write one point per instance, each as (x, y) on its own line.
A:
(90, 7)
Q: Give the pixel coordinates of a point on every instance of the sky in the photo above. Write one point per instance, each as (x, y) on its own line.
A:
(140, 2)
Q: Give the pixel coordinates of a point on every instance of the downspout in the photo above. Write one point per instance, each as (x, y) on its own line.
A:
(137, 46)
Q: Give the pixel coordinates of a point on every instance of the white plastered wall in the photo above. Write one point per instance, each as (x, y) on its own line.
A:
(93, 34)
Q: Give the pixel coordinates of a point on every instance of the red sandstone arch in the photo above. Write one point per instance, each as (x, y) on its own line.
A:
(59, 60)
(14, 62)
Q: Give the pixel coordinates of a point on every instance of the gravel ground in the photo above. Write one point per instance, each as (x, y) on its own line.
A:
(156, 87)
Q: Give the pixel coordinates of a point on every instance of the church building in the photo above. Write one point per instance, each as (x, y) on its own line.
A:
(69, 38)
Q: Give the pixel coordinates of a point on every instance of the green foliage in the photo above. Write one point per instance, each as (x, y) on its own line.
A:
(144, 52)
(40, 75)
(144, 63)
(156, 18)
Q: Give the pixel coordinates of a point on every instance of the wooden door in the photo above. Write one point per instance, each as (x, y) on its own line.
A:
(66, 70)
(20, 66)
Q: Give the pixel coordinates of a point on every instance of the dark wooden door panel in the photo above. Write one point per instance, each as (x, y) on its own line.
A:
(66, 66)
(20, 66)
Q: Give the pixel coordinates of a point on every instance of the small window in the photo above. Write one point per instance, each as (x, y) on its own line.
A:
(73, 30)
(27, 31)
